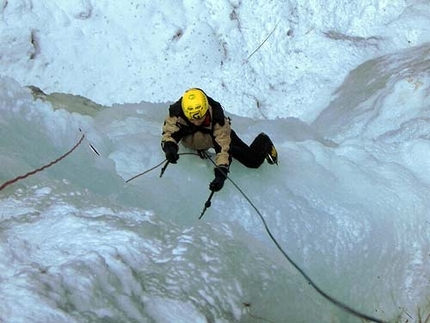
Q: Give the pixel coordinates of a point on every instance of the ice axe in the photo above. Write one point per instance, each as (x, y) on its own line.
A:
(208, 201)
(164, 168)
(207, 204)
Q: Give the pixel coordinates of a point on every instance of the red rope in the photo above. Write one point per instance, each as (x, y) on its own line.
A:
(16, 179)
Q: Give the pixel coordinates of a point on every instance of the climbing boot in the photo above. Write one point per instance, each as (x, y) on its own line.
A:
(272, 156)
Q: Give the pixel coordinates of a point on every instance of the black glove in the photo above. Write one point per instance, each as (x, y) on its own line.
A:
(171, 150)
(220, 176)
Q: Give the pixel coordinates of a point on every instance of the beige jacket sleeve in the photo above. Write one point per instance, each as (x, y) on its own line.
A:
(223, 140)
(169, 127)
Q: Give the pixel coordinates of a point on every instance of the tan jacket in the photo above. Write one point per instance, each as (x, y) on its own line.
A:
(214, 132)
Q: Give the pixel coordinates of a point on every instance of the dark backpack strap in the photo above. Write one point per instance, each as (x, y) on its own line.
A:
(217, 112)
(175, 110)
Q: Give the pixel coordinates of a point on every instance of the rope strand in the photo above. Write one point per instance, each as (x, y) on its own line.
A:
(331, 299)
(301, 271)
(156, 166)
(16, 179)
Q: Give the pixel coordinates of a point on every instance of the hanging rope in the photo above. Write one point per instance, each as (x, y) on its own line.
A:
(207, 204)
(262, 43)
(147, 171)
(158, 165)
(16, 179)
(331, 299)
(301, 271)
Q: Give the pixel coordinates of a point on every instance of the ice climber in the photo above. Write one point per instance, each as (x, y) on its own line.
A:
(198, 121)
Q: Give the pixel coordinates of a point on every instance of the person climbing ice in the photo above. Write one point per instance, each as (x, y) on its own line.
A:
(198, 122)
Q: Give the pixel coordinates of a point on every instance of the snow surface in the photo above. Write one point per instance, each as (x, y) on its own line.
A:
(342, 88)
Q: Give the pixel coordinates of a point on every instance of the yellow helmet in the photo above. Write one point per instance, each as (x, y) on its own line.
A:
(194, 104)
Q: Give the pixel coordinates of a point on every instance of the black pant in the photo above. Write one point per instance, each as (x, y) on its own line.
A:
(251, 156)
